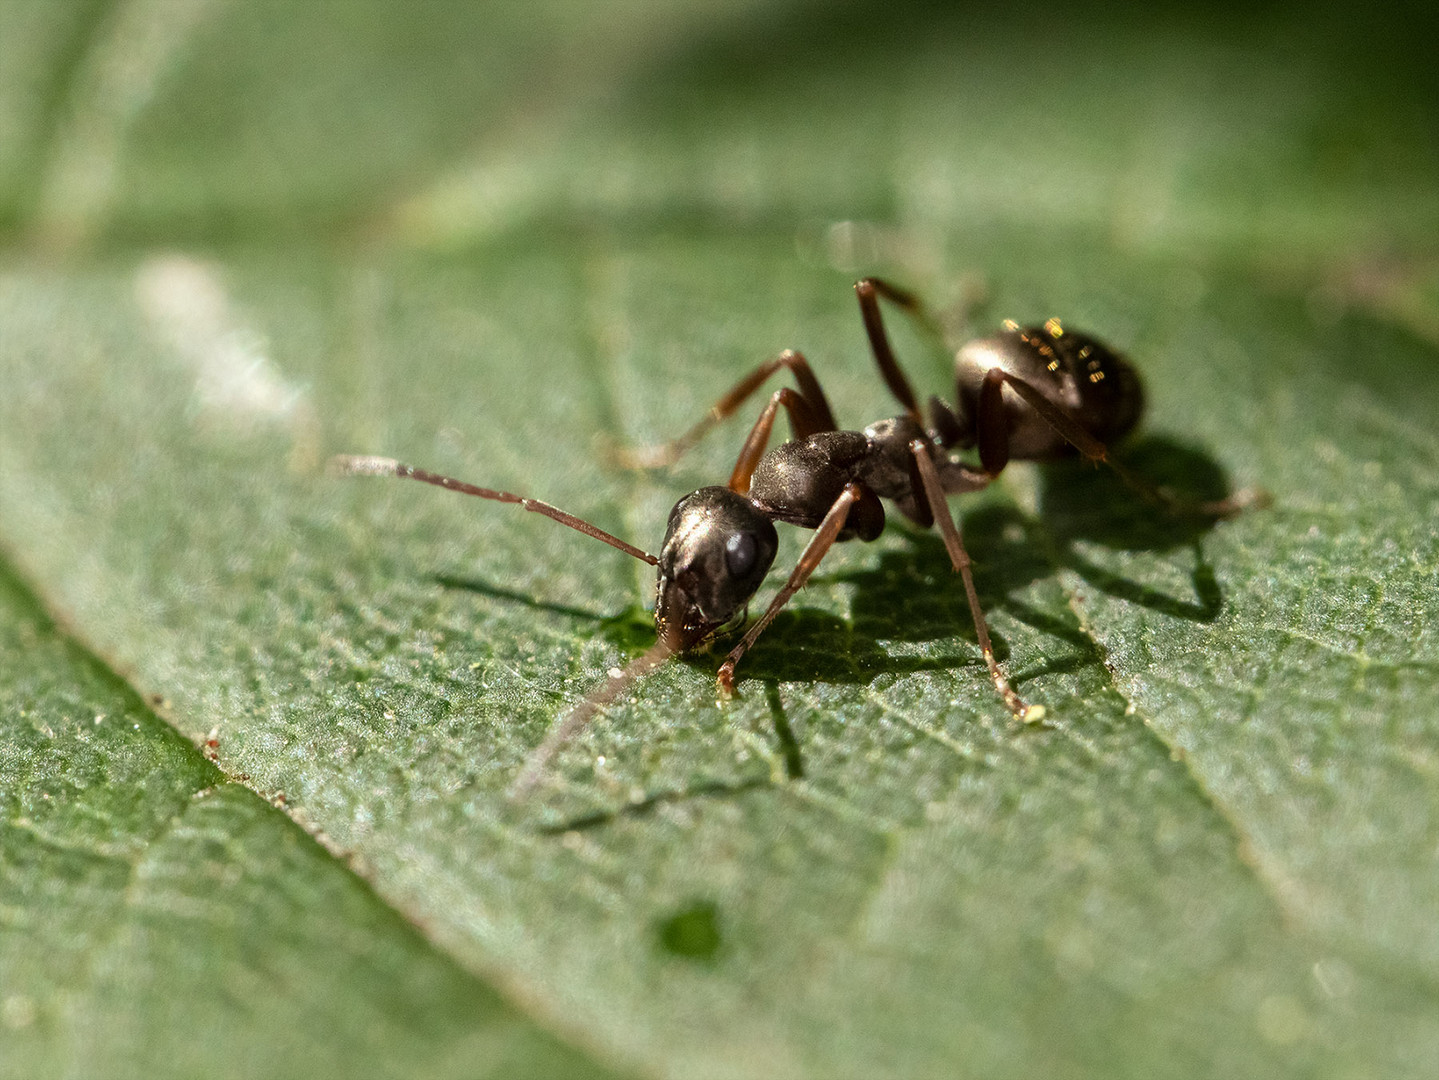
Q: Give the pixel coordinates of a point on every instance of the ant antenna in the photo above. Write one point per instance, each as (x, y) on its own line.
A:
(568, 726)
(367, 465)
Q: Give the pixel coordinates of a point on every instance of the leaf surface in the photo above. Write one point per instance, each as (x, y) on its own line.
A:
(1215, 858)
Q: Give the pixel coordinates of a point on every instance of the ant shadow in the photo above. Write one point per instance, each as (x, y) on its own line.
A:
(1081, 504)
(714, 789)
(631, 629)
(913, 596)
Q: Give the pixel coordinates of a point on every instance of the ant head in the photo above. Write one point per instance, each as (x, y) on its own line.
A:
(718, 548)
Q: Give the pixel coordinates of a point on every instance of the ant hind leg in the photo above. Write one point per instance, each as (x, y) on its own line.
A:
(959, 559)
(994, 450)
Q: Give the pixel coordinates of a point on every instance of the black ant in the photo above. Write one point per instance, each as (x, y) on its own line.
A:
(1026, 393)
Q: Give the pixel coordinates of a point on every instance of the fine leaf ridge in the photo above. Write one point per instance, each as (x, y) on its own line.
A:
(1245, 850)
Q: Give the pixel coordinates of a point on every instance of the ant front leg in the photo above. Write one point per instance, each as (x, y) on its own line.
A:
(959, 559)
(992, 429)
(802, 419)
(823, 539)
(809, 389)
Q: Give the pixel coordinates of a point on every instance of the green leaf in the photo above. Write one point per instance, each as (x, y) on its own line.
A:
(295, 232)
(157, 918)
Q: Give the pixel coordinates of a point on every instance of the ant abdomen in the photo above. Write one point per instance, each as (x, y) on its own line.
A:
(1093, 385)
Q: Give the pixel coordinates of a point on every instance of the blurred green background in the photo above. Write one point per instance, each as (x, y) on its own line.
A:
(256, 723)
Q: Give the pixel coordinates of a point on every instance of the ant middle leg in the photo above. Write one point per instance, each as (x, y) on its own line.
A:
(808, 389)
(992, 430)
(959, 559)
(869, 290)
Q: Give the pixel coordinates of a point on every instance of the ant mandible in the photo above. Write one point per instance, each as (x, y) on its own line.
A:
(1026, 393)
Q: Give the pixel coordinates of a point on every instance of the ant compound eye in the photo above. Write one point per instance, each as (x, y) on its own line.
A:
(740, 553)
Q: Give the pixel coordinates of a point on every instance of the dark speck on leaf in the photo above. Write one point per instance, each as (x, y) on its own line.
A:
(693, 932)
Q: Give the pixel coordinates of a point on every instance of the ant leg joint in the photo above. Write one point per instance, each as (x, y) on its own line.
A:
(725, 681)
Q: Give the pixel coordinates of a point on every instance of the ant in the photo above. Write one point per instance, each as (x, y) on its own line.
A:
(1025, 393)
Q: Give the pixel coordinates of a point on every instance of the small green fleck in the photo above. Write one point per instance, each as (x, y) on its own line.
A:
(693, 932)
